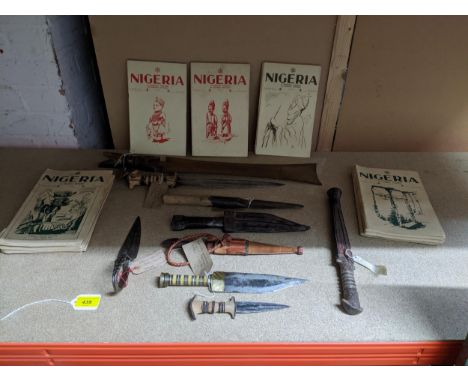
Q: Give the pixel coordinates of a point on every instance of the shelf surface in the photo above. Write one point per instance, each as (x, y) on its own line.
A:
(423, 298)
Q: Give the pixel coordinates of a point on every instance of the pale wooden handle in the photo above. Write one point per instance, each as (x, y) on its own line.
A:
(187, 200)
(201, 307)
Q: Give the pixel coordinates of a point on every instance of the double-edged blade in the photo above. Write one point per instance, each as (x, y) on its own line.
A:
(127, 253)
(247, 307)
(238, 222)
(232, 282)
(226, 202)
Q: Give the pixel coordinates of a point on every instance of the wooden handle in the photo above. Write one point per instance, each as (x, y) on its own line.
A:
(187, 200)
(201, 307)
(167, 279)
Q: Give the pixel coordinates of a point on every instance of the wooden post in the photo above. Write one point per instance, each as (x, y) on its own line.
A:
(336, 81)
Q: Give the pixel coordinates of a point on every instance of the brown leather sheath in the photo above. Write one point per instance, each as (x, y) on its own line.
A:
(234, 246)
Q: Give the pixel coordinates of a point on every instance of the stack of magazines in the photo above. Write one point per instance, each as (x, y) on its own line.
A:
(59, 214)
(393, 204)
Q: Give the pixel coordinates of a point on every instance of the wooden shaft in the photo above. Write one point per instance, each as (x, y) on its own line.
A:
(235, 246)
(202, 307)
(187, 200)
(167, 279)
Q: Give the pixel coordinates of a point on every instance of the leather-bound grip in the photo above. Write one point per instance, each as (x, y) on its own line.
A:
(350, 298)
(197, 306)
(181, 222)
(167, 279)
(189, 200)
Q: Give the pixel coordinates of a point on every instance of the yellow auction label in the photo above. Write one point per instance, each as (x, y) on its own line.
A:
(86, 302)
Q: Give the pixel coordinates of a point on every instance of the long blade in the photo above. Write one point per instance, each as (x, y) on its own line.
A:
(235, 282)
(224, 182)
(246, 307)
(259, 222)
(277, 205)
(127, 253)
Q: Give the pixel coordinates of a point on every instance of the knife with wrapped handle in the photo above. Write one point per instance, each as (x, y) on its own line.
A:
(350, 298)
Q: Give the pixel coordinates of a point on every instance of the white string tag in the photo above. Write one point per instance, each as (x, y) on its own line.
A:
(377, 269)
(144, 264)
(80, 302)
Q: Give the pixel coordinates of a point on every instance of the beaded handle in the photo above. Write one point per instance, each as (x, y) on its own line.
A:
(167, 279)
(211, 307)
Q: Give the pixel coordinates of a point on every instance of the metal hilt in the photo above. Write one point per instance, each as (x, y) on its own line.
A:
(197, 306)
(167, 279)
(350, 299)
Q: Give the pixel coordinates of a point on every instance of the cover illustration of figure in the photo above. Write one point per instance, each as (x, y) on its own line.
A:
(211, 122)
(226, 121)
(286, 127)
(55, 213)
(157, 127)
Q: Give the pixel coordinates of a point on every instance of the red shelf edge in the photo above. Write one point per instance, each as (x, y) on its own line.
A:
(374, 353)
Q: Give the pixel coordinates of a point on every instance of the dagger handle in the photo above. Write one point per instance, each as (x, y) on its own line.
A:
(350, 299)
(181, 222)
(211, 307)
(189, 200)
(167, 279)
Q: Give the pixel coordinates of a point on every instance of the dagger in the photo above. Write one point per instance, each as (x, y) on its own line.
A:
(231, 282)
(350, 299)
(231, 307)
(225, 202)
(238, 222)
(127, 253)
(228, 245)
(300, 172)
(137, 178)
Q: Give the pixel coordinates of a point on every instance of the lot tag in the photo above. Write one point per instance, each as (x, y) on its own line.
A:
(198, 257)
(144, 264)
(86, 302)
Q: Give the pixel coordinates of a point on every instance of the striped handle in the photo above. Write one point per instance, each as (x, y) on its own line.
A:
(167, 279)
(202, 307)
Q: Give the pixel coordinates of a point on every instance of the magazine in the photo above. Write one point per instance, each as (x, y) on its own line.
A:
(393, 204)
(59, 214)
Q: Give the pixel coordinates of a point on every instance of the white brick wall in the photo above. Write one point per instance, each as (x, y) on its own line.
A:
(32, 110)
(48, 92)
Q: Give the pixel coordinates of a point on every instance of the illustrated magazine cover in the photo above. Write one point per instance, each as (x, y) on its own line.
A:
(220, 109)
(286, 112)
(157, 101)
(394, 204)
(59, 214)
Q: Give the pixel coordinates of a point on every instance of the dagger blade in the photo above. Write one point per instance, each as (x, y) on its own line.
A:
(247, 307)
(235, 282)
(235, 202)
(183, 180)
(127, 253)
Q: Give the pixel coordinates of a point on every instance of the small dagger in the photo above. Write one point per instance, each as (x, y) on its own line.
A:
(231, 307)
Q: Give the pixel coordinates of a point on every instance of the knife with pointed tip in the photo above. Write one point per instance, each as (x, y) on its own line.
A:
(231, 307)
(127, 253)
(231, 282)
(238, 222)
(226, 202)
